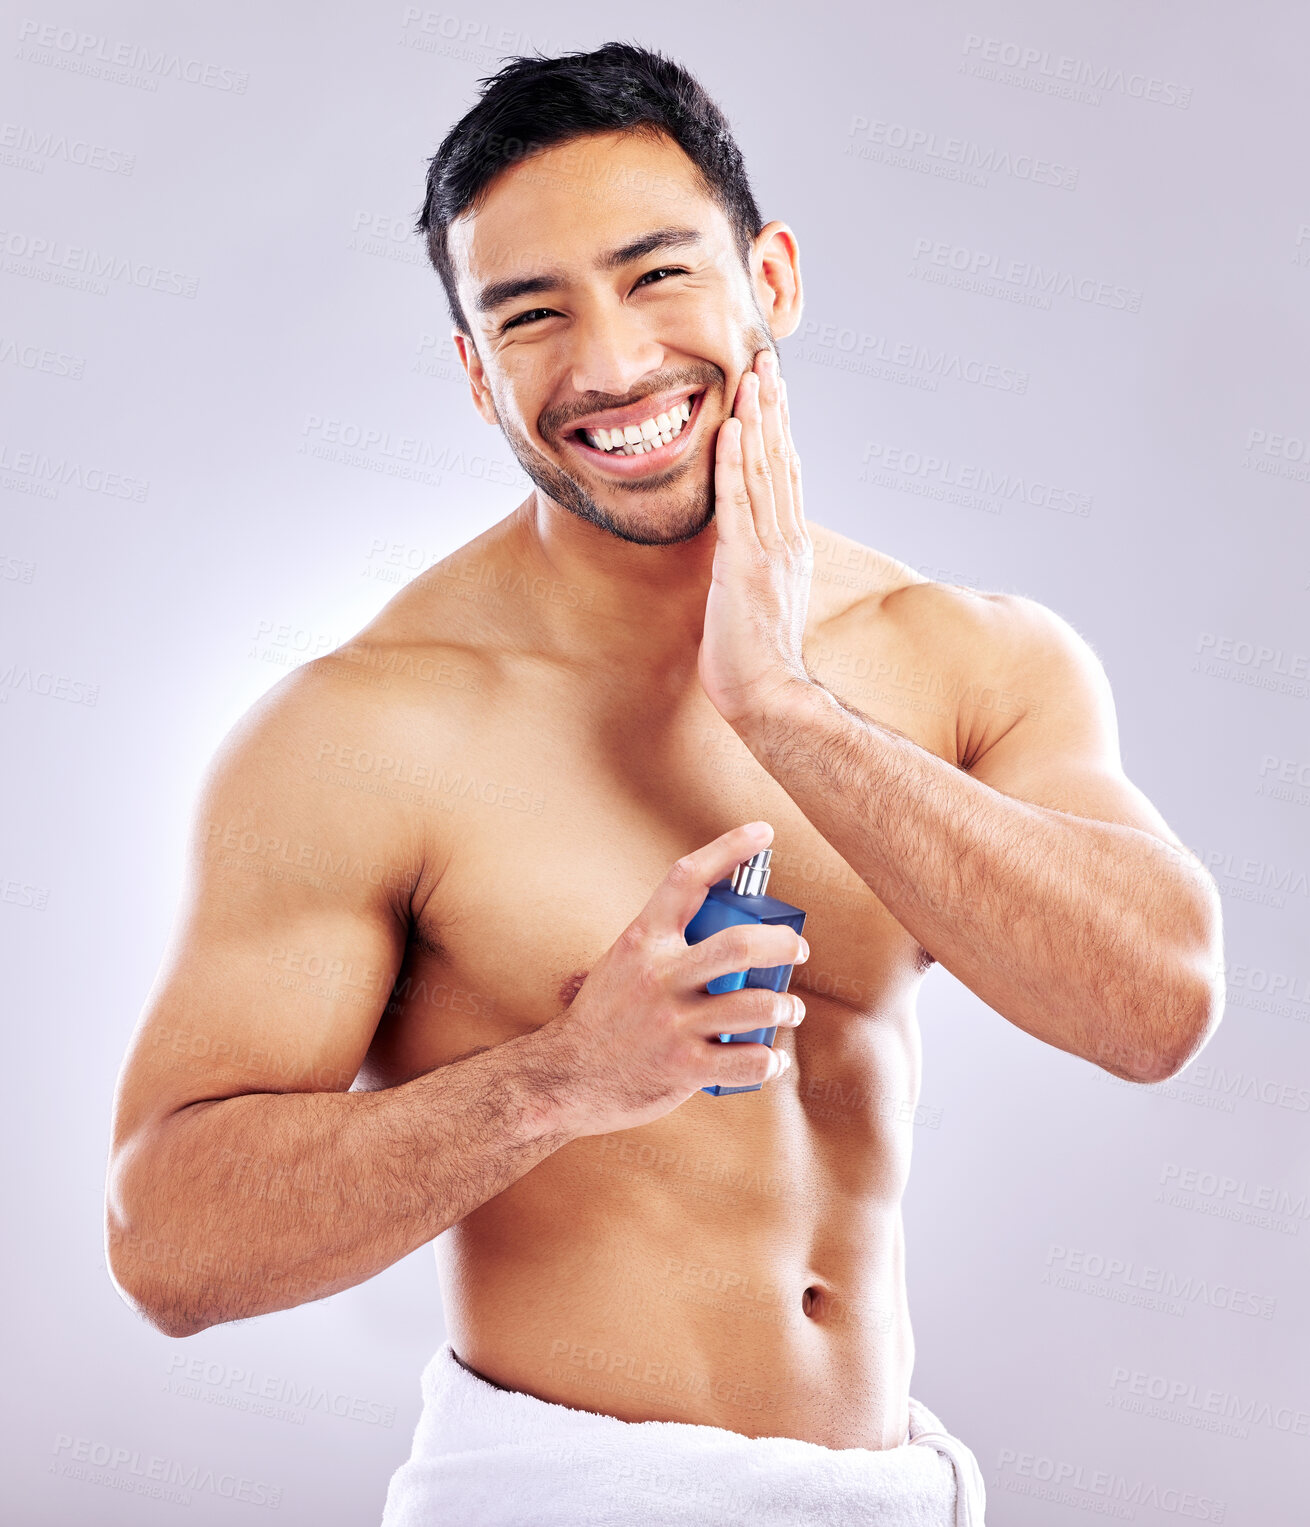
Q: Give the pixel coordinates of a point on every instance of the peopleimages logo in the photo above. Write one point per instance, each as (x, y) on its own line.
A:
(1189, 1402)
(1274, 986)
(1268, 882)
(1254, 663)
(1057, 1480)
(1044, 280)
(39, 146)
(46, 42)
(1257, 1089)
(86, 269)
(41, 358)
(1059, 67)
(129, 1469)
(29, 471)
(900, 145)
(1124, 1281)
(975, 485)
(245, 1389)
(855, 350)
(1223, 1196)
(406, 456)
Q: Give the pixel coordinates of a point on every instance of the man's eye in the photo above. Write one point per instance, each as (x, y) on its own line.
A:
(523, 318)
(664, 270)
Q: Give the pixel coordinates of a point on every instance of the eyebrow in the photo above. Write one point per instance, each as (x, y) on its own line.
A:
(498, 293)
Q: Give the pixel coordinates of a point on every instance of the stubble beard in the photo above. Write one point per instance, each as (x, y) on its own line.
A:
(685, 503)
(686, 506)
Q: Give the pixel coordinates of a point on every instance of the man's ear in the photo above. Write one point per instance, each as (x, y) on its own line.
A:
(776, 273)
(472, 363)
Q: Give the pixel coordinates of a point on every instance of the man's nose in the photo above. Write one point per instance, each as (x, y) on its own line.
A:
(612, 351)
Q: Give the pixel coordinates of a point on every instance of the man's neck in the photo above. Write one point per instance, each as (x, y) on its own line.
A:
(649, 600)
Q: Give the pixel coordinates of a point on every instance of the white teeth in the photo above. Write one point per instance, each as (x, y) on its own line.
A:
(637, 439)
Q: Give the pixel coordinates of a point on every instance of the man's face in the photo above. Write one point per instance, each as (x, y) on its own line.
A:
(638, 310)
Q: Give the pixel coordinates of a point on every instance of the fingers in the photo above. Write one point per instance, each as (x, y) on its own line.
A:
(747, 1065)
(757, 468)
(793, 466)
(741, 1012)
(733, 515)
(746, 946)
(679, 896)
(775, 442)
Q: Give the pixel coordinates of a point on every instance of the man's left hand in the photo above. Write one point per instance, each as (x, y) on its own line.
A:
(763, 558)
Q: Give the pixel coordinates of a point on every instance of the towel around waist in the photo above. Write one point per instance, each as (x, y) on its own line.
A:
(491, 1456)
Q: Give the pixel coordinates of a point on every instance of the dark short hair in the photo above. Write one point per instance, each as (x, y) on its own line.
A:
(536, 103)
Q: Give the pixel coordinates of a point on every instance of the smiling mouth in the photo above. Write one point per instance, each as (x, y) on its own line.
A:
(644, 445)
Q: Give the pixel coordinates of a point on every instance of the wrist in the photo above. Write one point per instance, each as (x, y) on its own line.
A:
(544, 1084)
(793, 704)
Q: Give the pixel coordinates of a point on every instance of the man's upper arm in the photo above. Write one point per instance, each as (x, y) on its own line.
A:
(1062, 751)
(293, 920)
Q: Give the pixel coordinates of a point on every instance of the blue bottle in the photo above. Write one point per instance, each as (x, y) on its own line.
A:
(741, 899)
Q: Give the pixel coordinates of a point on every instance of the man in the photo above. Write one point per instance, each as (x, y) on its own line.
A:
(430, 979)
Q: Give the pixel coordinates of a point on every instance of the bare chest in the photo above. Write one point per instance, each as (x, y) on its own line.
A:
(555, 823)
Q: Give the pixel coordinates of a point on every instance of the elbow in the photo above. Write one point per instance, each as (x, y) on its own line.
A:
(166, 1321)
(166, 1327)
(1190, 1011)
(153, 1276)
(143, 1291)
(1193, 1018)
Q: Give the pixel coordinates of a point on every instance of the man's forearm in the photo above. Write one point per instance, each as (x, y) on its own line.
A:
(260, 1202)
(1089, 935)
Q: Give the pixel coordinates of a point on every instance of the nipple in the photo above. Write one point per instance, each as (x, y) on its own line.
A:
(570, 988)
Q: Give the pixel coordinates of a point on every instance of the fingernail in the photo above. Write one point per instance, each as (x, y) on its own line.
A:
(769, 360)
(805, 950)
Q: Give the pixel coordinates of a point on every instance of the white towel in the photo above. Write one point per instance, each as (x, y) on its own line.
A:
(490, 1457)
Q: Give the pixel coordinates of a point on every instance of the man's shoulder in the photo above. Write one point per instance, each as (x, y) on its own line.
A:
(1038, 654)
(996, 655)
(410, 677)
(437, 642)
(984, 629)
(866, 584)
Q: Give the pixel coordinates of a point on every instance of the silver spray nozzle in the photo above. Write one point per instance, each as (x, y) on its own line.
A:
(751, 878)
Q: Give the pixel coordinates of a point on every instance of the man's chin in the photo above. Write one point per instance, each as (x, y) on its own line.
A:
(665, 534)
(679, 516)
(665, 525)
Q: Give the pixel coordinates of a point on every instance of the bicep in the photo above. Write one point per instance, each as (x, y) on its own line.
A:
(1063, 750)
(288, 941)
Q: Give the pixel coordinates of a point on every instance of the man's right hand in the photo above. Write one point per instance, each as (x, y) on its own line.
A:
(641, 1036)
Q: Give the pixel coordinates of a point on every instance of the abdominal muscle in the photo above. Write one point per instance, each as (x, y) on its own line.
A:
(738, 1263)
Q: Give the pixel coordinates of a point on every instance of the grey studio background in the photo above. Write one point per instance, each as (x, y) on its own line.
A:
(1057, 265)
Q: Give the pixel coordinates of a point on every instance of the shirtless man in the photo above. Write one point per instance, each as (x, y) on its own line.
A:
(429, 981)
